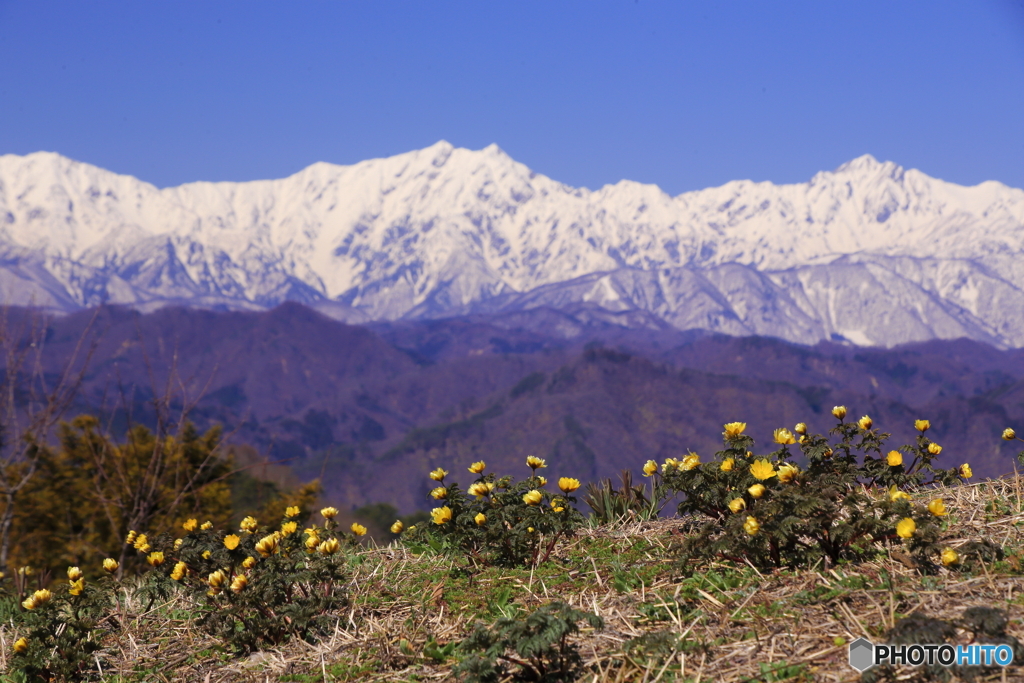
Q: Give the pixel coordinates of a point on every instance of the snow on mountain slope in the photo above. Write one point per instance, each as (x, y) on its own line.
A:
(870, 252)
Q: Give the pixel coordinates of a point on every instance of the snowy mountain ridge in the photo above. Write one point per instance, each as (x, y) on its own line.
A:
(870, 252)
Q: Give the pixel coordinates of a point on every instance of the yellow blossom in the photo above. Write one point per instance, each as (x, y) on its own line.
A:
(542, 481)
(762, 469)
(535, 463)
(397, 527)
(141, 542)
(249, 562)
(441, 515)
(756, 491)
(479, 489)
(74, 573)
(894, 458)
(689, 462)
(801, 428)
(650, 468)
(1009, 434)
(895, 494)
(439, 493)
(568, 484)
(77, 587)
(267, 545)
(312, 541)
(670, 463)
(439, 474)
(216, 579)
(734, 430)
(190, 525)
(937, 507)
(949, 557)
(239, 583)
(358, 529)
(728, 464)
(329, 512)
(231, 541)
(292, 511)
(110, 565)
(329, 547)
(906, 528)
(37, 599)
(178, 542)
(207, 525)
(787, 472)
(533, 497)
(865, 423)
(751, 526)
(289, 528)
(783, 436)
(249, 524)
(130, 538)
(478, 467)
(839, 412)
(178, 573)
(155, 559)
(529, 529)
(922, 425)
(737, 504)
(480, 519)
(21, 646)
(207, 554)
(965, 471)
(934, 448)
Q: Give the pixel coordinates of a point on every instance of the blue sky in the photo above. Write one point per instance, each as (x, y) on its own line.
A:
(682, 94)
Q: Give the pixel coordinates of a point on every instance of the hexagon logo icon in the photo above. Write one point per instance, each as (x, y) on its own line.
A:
(862, 653)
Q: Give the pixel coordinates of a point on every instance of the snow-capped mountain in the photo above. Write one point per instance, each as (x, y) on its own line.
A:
(870, 252)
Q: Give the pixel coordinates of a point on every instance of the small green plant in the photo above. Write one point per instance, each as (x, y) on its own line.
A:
(536, 647)
(497, 520)
(628, 502)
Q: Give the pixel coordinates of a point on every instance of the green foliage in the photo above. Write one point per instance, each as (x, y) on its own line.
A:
(849, 497)
(499, 521)
(627, 502)
(537, 646)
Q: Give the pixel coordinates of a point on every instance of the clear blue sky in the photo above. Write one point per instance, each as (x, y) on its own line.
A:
(682, 94)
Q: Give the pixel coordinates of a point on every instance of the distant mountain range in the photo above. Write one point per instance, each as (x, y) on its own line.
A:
(870, 253)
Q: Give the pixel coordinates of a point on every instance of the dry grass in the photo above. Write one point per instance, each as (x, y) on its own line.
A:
(732, 626)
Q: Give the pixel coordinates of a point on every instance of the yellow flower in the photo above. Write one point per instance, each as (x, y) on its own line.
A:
(478, 467)
(783, 436)
(190, 525)
(439, 493)
(965, 471)
(751, 526)
(557, 508)
(801, 428)
(358, 529)
(568, 484)
(110, 565)
(77, 587)
(130, 538)
(216, 579)
(670, 463)
(756, 491)
(949, 557)
(21, 646)
(894, 458)
(865, 423)
(650, 468)
(178, 573)
(249, 562)
(839, 412)
(144, 549)
(937, 507)
(533, 497)
(37, 599)
(206, 525)
(155, 559)
(249, 524)
(207, 554)
(542, 481)
(922, 425)
(312, 541)
(762, 469)
(441, 515)
(289, 528)
(737, 504)
(689, 462)
(439, 474)
(727, 464)
(292, 511)
(239, 583)
(397, 527)
(480, 519)
(529, 529)
(267, 545)
(895, 494)
(934, 448)
(329, 547)
(787, 472)
(329, 512)
(74, 573)
(479, 489)
(535, 463)
(178, 542)
(734, 430)
(231, 541)
(141, 542)
(906, 528)
(1009, 434)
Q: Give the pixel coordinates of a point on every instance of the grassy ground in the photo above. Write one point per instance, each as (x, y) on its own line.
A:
(725, 623)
